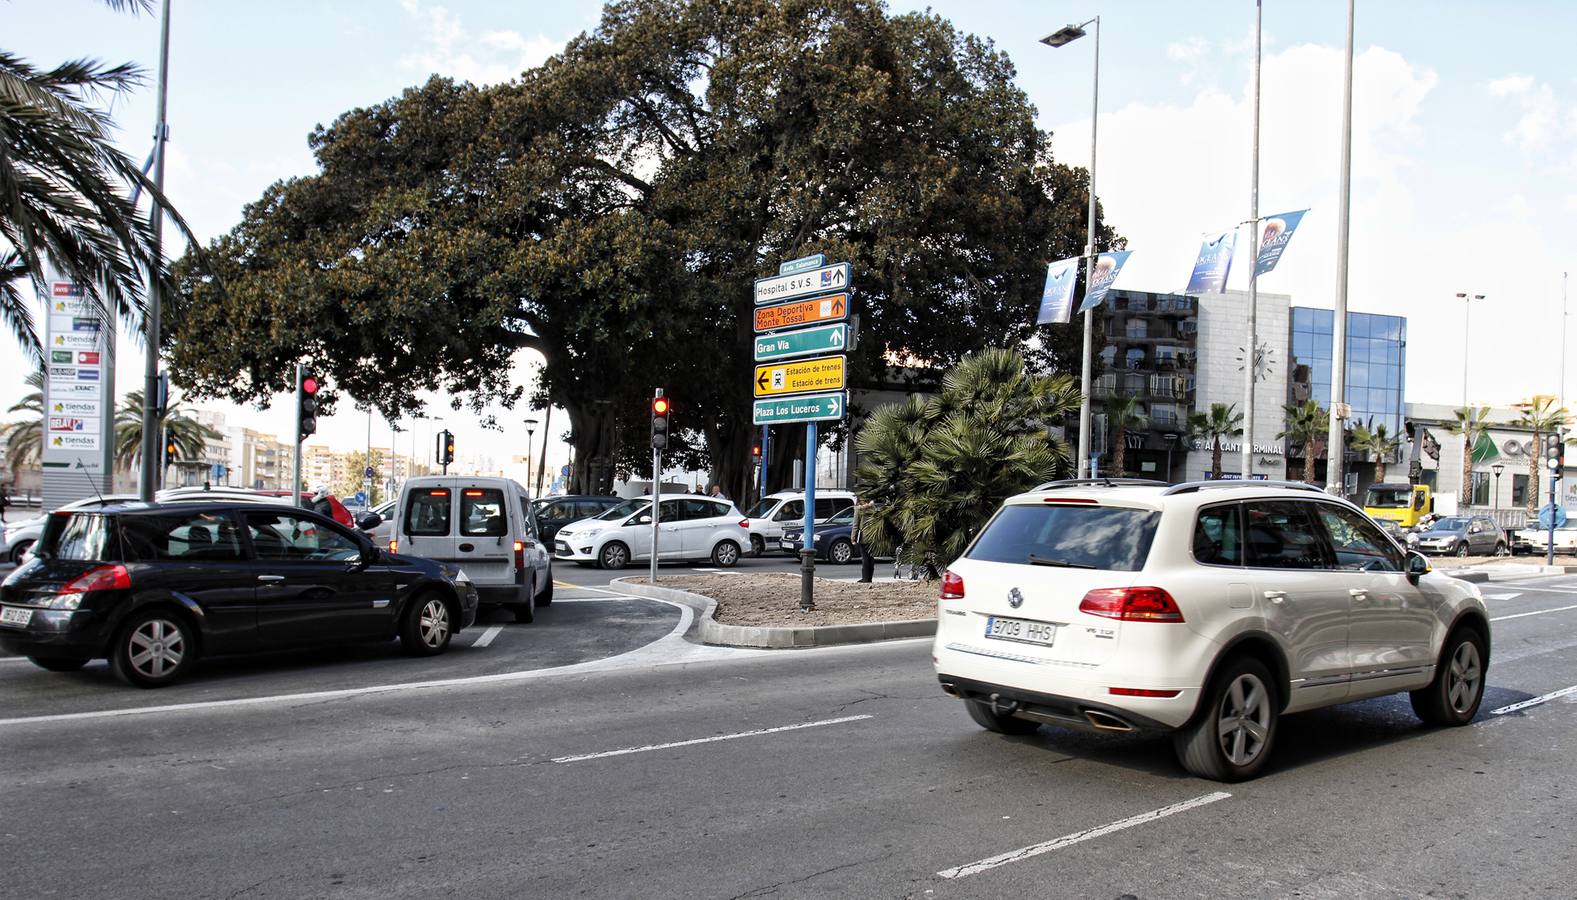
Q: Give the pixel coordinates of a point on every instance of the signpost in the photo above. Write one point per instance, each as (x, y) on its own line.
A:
(825, 373)
(802, 284)
(814, 261)
(79, 389)
(801, 408)
(804, 342)
(834, 308)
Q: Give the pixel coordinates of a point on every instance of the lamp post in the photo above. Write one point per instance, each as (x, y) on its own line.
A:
(1497, 468)
(1336, 438)
(1061, 38)
(1170, 440)
(531, 429)
(1467, 335)
(1251, 355)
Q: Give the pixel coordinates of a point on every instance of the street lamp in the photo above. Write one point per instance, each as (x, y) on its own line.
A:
(1467, 335)
(1170, 440)
(1336, 440)
(531, 429)
(1497, 468)
(1061, 38)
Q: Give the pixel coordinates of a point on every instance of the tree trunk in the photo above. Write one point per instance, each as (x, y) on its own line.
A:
(591, 436)
(1379, 468)
(1308, 459)
(1215, 458)
(1534, 458)
(1119, 451)
(1467, 466)
(731, 467)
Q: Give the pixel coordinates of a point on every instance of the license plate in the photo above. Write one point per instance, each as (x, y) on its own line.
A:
(11, 615)
(1021, 630)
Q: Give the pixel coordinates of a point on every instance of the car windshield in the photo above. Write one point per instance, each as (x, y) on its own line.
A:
(1452, 524)
(1094, 537)
(627, 508)
(1389, 498)
(844, 517)
(762, 507)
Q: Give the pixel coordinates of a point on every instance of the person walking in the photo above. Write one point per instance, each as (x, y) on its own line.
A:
(862, 512)
(717, 491)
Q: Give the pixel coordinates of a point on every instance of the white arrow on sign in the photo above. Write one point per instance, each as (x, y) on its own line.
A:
(837, 338)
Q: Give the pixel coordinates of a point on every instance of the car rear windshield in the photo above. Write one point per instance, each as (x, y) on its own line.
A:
(1097, 537)
(80, 536)
(427, 512)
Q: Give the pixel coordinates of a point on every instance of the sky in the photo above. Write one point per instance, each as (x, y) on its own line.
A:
(1464, 160)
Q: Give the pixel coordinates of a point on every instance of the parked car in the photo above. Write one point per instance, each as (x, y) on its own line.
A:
(482, 525)
(554, 513)
(21, 536)
(690, 527)
(774, 512)
(1461, 536)
(153, 586)
(834, 538)
(1205, 609)
(1533, 539)
(381, 532)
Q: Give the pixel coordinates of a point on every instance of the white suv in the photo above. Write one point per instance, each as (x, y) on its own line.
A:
(1206, 609)
(690, 527)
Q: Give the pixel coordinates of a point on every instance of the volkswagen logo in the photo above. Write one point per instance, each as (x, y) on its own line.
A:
(1015, 599)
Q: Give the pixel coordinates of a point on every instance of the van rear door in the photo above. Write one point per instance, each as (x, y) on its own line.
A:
(427, 517)
(484, 538)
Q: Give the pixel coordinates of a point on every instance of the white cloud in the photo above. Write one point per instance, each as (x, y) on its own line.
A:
(1510, 85)
(1187, 50)
(486, 58)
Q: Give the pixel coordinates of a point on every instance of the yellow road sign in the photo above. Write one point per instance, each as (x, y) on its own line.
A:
(825, 373)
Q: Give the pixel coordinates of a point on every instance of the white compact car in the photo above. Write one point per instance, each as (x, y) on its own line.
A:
(690, 527)
(774, 512)
(1207, 610)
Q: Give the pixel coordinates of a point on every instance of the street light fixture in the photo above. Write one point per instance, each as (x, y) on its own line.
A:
(531, 429)
(1497, 468)
(1467, 335)
(1061, 38)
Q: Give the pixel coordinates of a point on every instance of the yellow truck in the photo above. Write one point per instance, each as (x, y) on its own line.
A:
(1405, 504)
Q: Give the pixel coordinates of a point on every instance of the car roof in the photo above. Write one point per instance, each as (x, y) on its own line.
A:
(137, 506)
(1159, 494)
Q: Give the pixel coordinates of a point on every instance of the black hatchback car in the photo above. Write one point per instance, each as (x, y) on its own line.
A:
(554, 513)
(152, 587)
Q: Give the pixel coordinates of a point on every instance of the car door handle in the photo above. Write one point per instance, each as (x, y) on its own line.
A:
(1275, 596)
(270, 578)
(466, 548)
(1358, 594)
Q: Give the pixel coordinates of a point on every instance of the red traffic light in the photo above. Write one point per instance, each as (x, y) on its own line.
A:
(309, 385)
(660, 406)
(756, 451)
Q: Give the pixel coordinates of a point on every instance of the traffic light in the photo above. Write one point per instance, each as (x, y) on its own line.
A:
(1555, 454)
(755, 453)
(445, 448)
(659, 420)
(169, 449)
(306, 403)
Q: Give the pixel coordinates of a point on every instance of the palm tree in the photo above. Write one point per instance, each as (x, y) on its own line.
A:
(1223, 420)
(1306, 424)
(190, 435)
(936, 468)
(1372, 440)
(1472, 423)
(24, 444)
(1123, 414)
(1541, 416)
(64, 201)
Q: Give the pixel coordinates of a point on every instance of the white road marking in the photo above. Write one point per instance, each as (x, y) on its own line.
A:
(708, 740)
(487, 636)
(1537, 612)
(1535, 701)
(1079, 836)
(1510, 596)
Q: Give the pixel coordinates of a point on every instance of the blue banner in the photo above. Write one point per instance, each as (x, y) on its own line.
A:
(1056, 298)
(1278, 231)
(1214, 264)
(1107, 267)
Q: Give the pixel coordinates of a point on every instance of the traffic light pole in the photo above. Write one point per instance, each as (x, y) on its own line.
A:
(807, 549)
(657, 496)
(295, 466)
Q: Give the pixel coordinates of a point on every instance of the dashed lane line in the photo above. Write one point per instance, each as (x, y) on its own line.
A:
(708, 740)
(1537, 612)
(487, 636)
(1535, 701)
(1067, 840)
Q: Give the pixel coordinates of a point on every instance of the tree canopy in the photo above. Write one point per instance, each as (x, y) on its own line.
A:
(610, 209)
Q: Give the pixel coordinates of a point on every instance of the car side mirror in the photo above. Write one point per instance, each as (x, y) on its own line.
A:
(370, 521)
(1417, 566)
(643, 519)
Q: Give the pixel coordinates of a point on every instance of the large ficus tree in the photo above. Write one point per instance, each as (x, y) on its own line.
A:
(610, 209)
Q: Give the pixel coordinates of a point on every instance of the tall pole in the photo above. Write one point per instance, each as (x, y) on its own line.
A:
(367, 468)
(1250, 352)
(295, 466)
(148, 477)
(1561, 482)
(807, 547)
(1333, 469)
(1089, 274)
(542, 466)
(1467, 338)
(657, 502)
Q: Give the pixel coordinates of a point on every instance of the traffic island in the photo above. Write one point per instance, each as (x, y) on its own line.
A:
(738, 610)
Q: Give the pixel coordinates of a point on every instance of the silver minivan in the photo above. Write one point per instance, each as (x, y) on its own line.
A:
(484, 526)
(774, 511)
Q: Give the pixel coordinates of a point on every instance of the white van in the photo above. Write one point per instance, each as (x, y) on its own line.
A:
(774, 511)
(484, 526)
(690, 527)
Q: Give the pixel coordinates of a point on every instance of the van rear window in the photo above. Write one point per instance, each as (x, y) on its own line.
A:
(427, 513)
(482, 513)
(1113, 538)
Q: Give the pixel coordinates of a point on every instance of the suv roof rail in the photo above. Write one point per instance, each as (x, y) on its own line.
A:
(1189, 487)
(1104, 482)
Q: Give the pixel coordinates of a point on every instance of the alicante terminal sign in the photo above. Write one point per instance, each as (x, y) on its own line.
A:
(79, 392)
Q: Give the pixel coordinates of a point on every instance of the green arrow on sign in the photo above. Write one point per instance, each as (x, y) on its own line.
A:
(804, 342)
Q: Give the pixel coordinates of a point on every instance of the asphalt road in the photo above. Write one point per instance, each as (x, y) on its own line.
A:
(678, 771)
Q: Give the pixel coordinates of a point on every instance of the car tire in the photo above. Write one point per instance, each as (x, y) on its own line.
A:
(56, 664)
(19, 551)
(427, 626)
(991, 720)
(614, 555)
(758, 545)
(841, 552)
(1500, 548)
(1461, 550)
(546, 597)
(1454, 696)
(725, 555)
(1243, 696)
(153, 649)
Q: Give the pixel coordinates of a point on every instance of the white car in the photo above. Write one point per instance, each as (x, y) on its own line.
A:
(21, 536)
(690, 527)
(1536, 540)
(774, 512)
(1206, 610)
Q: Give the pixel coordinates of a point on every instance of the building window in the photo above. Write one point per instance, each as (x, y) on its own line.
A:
(1479, 495)
(1138, 328)
(1519, 490)
(1135, 358)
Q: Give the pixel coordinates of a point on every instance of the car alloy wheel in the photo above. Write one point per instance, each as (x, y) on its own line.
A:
(840, 552)
(157, 647)
(614, 556)
(1462, 549)
(1463, 678)
(725, 554)
(1243, 722)
(432, 624)
(1454, 695)
(19, 551)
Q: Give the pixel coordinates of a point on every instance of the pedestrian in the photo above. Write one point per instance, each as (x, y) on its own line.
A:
(5, 501)
(862, 514)
(717, 491)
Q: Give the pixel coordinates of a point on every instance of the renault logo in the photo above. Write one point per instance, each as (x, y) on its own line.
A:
(1015, 599)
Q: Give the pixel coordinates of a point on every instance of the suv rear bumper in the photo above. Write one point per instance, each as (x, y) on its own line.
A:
(1069, 712)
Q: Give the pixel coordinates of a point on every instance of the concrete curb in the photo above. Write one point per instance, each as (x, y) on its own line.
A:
(1473, 577)
(708, 630)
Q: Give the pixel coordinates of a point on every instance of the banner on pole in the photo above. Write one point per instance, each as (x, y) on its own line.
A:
(1056, 298)
(1107, 267)
(1278, 231)
(1214, 263)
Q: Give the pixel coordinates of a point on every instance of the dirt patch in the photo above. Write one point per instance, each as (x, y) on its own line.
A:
(773, 599)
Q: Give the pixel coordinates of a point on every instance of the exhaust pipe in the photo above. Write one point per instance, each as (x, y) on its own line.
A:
(1003, 707)
(949, 689)
(1103, 721)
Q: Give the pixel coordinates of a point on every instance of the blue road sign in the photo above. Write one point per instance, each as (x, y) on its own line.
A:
(1548, 511)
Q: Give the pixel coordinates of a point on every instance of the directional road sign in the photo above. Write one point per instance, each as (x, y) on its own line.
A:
(804, 342)
(814, 261)
(822, 374)
(804, 408)
(834, 308)
(802, 284)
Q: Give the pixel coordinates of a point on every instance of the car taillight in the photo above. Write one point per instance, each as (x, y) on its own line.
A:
(744, 523)
(104, 578)
(394, 546)
(1134, 604)
(952, 586)
(520, 554)
(1142, 692)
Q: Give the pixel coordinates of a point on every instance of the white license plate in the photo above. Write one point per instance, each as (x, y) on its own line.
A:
(11, 615)
(1021, 630)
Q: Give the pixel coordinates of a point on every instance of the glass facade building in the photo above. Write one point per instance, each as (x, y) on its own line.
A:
(1376, 363)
